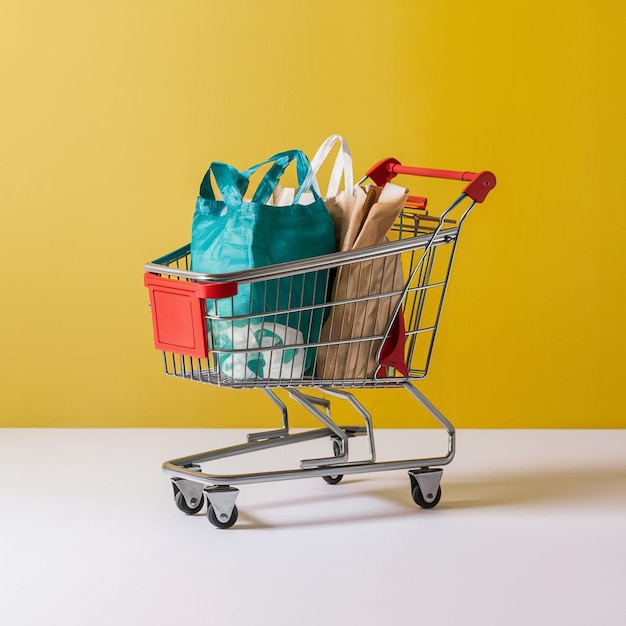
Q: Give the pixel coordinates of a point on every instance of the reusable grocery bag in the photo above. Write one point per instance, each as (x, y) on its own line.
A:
(340, 203)
(358, 320)
(233, 234)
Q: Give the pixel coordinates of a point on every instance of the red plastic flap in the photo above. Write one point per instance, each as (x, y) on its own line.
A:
(392, 352)
(201, 290)
(417, 202)
(178, 316)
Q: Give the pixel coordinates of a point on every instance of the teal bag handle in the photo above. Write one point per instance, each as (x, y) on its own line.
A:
(271, 179)
(233, 184)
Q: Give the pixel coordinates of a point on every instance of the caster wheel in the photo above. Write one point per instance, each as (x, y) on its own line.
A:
(181, 503)
(420, 500)
(333, 480)
(221, 523)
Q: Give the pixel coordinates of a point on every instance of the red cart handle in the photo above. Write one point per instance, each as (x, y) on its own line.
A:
(480, 184)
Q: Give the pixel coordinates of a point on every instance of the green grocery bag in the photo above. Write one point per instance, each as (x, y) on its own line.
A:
(234, 234)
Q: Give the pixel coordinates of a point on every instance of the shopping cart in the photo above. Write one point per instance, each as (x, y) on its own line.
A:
(184, 313)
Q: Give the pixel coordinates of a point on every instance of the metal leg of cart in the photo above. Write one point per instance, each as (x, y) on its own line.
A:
(425, 481)
(280, 432)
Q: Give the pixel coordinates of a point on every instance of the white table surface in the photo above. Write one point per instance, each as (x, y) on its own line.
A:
(531, 529)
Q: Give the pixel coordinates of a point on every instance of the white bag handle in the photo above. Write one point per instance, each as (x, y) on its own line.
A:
(343, 165)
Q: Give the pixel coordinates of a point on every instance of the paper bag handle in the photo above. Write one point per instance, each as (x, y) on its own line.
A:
(342, 166)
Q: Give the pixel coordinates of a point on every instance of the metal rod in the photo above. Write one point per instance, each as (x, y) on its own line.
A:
(327, 261)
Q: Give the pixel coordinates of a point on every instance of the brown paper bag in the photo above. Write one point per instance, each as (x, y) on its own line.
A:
(366, 225)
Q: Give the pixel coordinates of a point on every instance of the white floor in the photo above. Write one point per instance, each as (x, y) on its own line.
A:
(531, 529)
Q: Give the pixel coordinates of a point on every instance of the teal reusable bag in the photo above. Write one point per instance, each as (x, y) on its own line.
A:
(234, 234)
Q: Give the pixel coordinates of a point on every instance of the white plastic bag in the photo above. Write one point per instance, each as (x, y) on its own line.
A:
(275, 364)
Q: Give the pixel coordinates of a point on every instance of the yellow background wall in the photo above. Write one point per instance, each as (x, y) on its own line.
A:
(110, 112)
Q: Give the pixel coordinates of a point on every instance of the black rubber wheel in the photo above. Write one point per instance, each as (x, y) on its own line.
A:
(418, 498)
(333, 480)
(219, 523)
(181, 503)
(336, 447)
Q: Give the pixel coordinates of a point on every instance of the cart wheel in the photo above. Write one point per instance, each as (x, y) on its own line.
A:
(181, 503)
(335, 478)
(420, 500)
(220, 523)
